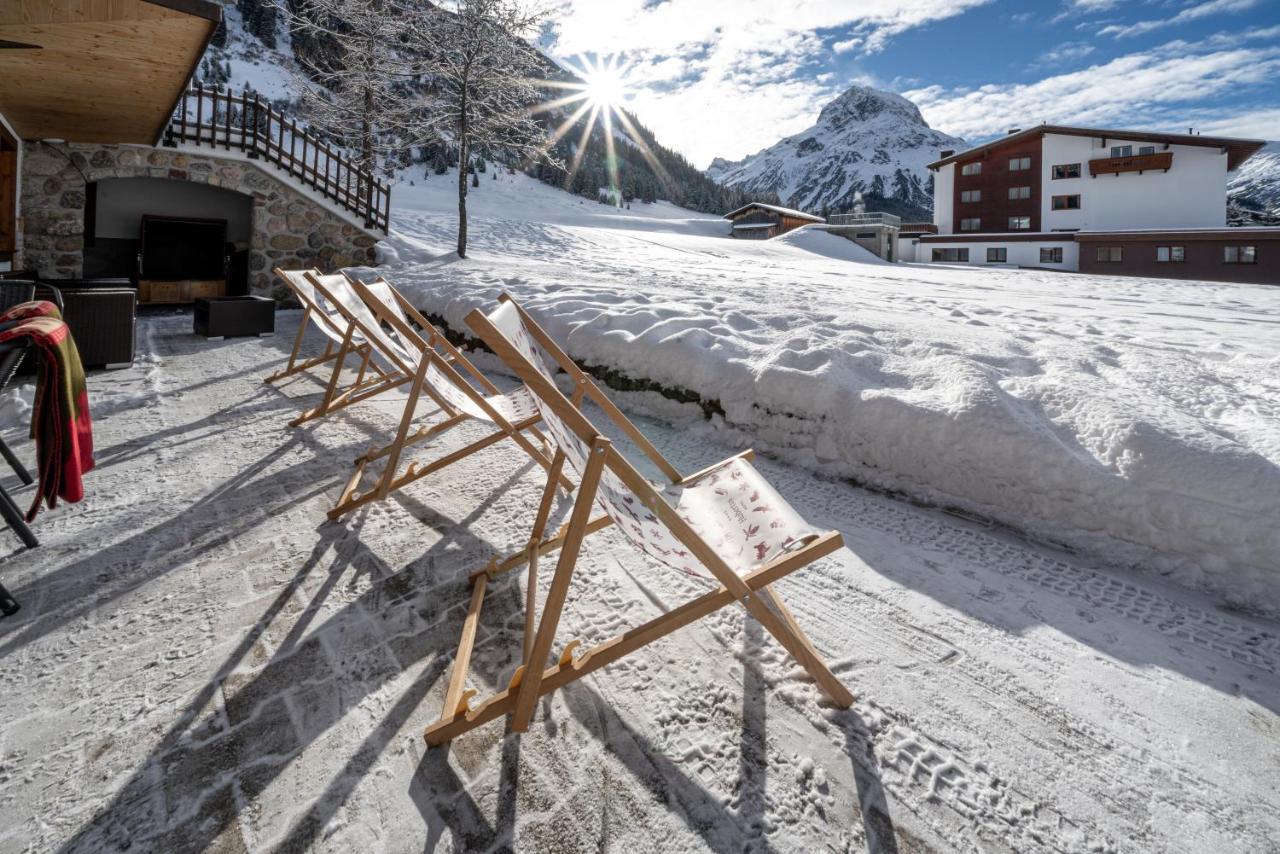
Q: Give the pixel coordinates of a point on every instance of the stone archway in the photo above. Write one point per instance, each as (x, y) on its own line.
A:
(290, 228)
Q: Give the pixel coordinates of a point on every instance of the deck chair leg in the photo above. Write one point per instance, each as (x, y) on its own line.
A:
(782, 625)
(367, 351)
(535, 540)
(406, 420)
(297, 345)
(527, 697)
(333, 381)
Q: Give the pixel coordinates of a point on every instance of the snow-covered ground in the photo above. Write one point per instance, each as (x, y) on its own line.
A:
(1135, 419)
(203, 664)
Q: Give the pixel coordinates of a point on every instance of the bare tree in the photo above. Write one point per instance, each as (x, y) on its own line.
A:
(361, 88)
(483, 79)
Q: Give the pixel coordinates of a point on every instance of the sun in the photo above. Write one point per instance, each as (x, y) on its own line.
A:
(606, 86)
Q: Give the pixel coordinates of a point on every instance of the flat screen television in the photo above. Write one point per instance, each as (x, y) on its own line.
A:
(178, 248)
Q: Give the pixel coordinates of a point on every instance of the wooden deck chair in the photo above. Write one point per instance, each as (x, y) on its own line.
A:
(423, 354)
(354, 318)
(336, 330)
(725, 519)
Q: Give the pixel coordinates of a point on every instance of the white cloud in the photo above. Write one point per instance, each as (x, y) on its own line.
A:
(1191, 13)
(729, 77)
(1066, 52)
(1154, 88)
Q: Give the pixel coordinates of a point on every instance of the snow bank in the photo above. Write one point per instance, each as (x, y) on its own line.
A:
(1137, 419)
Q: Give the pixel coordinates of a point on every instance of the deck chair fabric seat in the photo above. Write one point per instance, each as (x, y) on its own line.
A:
(513, 406)
(732, 506)
(410, 346)
(726, 521)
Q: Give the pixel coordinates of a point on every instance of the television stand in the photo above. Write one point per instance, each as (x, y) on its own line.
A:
(169, 292)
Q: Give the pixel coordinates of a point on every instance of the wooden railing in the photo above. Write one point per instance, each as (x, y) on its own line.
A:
(207, 116)
(1134, 163)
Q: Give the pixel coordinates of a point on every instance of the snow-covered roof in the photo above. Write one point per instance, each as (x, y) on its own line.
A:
(776, 209)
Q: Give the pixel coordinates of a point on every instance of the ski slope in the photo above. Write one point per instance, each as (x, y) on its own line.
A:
(1135, 419)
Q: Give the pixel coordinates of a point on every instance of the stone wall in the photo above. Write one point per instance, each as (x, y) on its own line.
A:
(289, 229)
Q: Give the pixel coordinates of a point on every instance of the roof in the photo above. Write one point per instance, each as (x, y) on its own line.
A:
(1238, 150)
(99, 71)
(776, 209)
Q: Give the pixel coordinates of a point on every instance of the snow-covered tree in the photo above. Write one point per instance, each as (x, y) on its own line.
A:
(483, 81)
(360, 85)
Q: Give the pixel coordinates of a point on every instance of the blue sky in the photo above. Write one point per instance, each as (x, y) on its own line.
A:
(728, 77)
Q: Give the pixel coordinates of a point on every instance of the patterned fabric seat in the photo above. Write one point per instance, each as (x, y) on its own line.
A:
(732, 507)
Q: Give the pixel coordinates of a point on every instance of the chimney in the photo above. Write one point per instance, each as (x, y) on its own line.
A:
(947, 152)
(1012, 131)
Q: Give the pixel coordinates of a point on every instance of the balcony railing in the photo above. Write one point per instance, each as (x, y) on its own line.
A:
(1135, 163)
(886, 219)
(222, 119)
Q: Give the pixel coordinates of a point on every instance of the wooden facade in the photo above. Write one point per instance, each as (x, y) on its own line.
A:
(1201, 255)
(99, 71)
(758, 221)
(994, 207)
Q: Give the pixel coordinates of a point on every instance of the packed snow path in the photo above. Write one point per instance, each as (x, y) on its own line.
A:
(1136, 419)
(200, 663)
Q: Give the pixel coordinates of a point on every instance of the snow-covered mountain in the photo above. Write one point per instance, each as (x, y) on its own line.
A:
(1253, 190)
(866, 140)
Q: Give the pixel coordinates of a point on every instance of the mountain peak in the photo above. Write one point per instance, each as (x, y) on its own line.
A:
(862, 104)
(866, 142)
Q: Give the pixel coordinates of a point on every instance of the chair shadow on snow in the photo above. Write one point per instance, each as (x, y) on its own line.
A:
(194, 782)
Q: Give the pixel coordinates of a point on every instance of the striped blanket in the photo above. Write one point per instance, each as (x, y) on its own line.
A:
(60, 421)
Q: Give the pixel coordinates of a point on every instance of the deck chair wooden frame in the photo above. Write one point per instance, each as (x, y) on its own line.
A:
(348, 340)
(430, 349)
(532, 678)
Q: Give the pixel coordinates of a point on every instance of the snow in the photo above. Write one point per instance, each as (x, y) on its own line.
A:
(202, 663)
(1136, 420)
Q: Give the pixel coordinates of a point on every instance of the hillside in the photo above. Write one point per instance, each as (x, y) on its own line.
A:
(255, 48)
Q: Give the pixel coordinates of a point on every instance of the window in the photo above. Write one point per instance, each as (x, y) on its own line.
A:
(1019, 192)
(1146, 149)
(951, 255)
(1018, 164)
(1066, 203)
(1122, 151)
(1170, 254)
(1051, 255)
(1019, 222)
(970, 224)
(971, 169)
(997, 255)
(1110, 254)
(970, 195)
(1066, 170)
(1240, 254)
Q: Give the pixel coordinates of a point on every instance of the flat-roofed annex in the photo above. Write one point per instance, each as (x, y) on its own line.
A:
(102, 71)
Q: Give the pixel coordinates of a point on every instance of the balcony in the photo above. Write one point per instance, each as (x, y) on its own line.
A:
(1136, 163)
(886, 219)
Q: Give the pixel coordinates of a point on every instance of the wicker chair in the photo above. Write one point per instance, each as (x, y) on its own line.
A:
(101, 314)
